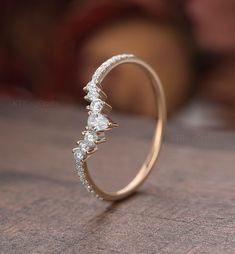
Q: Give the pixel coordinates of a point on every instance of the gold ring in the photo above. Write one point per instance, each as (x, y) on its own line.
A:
(98, 122)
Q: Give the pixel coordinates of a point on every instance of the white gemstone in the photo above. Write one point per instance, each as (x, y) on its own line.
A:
(91, 137)
(84, 146)
(98, 71)
(105, 66)
(88, 187)
(95, 78)
(78, 155)
(79, 167)
(90, 85)
(92, 94)
(96, 106)
(81, 174)
(83, 180)
(97, 122)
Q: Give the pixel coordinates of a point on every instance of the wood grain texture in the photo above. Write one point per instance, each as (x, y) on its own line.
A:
(186, 206)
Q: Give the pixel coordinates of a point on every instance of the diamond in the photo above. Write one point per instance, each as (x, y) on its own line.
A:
(90, 85)
(100, 71)
(97, 122)
(78, 155)
(84, 146)
(89, 188)
(96, 106)
(91, 137)
(83, 180)
(93, 94)
(81, 174)
(79, 168)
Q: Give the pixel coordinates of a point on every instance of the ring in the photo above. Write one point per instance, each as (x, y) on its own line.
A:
(98, 122)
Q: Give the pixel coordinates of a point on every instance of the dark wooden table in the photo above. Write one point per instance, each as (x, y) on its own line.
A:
(186, 206)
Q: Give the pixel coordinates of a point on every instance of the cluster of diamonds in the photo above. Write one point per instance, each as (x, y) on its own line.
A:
(98, 121)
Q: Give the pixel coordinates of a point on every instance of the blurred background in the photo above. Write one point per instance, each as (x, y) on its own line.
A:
(50, 48)
(48, 51)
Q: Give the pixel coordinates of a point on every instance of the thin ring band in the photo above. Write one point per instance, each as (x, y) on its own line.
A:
(98, 123)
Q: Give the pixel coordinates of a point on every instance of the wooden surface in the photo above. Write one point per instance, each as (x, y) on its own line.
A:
(186, 205)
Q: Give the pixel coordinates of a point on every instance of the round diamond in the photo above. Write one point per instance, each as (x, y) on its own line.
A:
(79, 167)
(93, 94)
(91, 137)
(97, 122)
(96, 106)
(84, 146)
(81, 174)
(90, 85)
(78, 155)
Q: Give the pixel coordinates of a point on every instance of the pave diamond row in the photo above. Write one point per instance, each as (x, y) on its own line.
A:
(98, 121)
